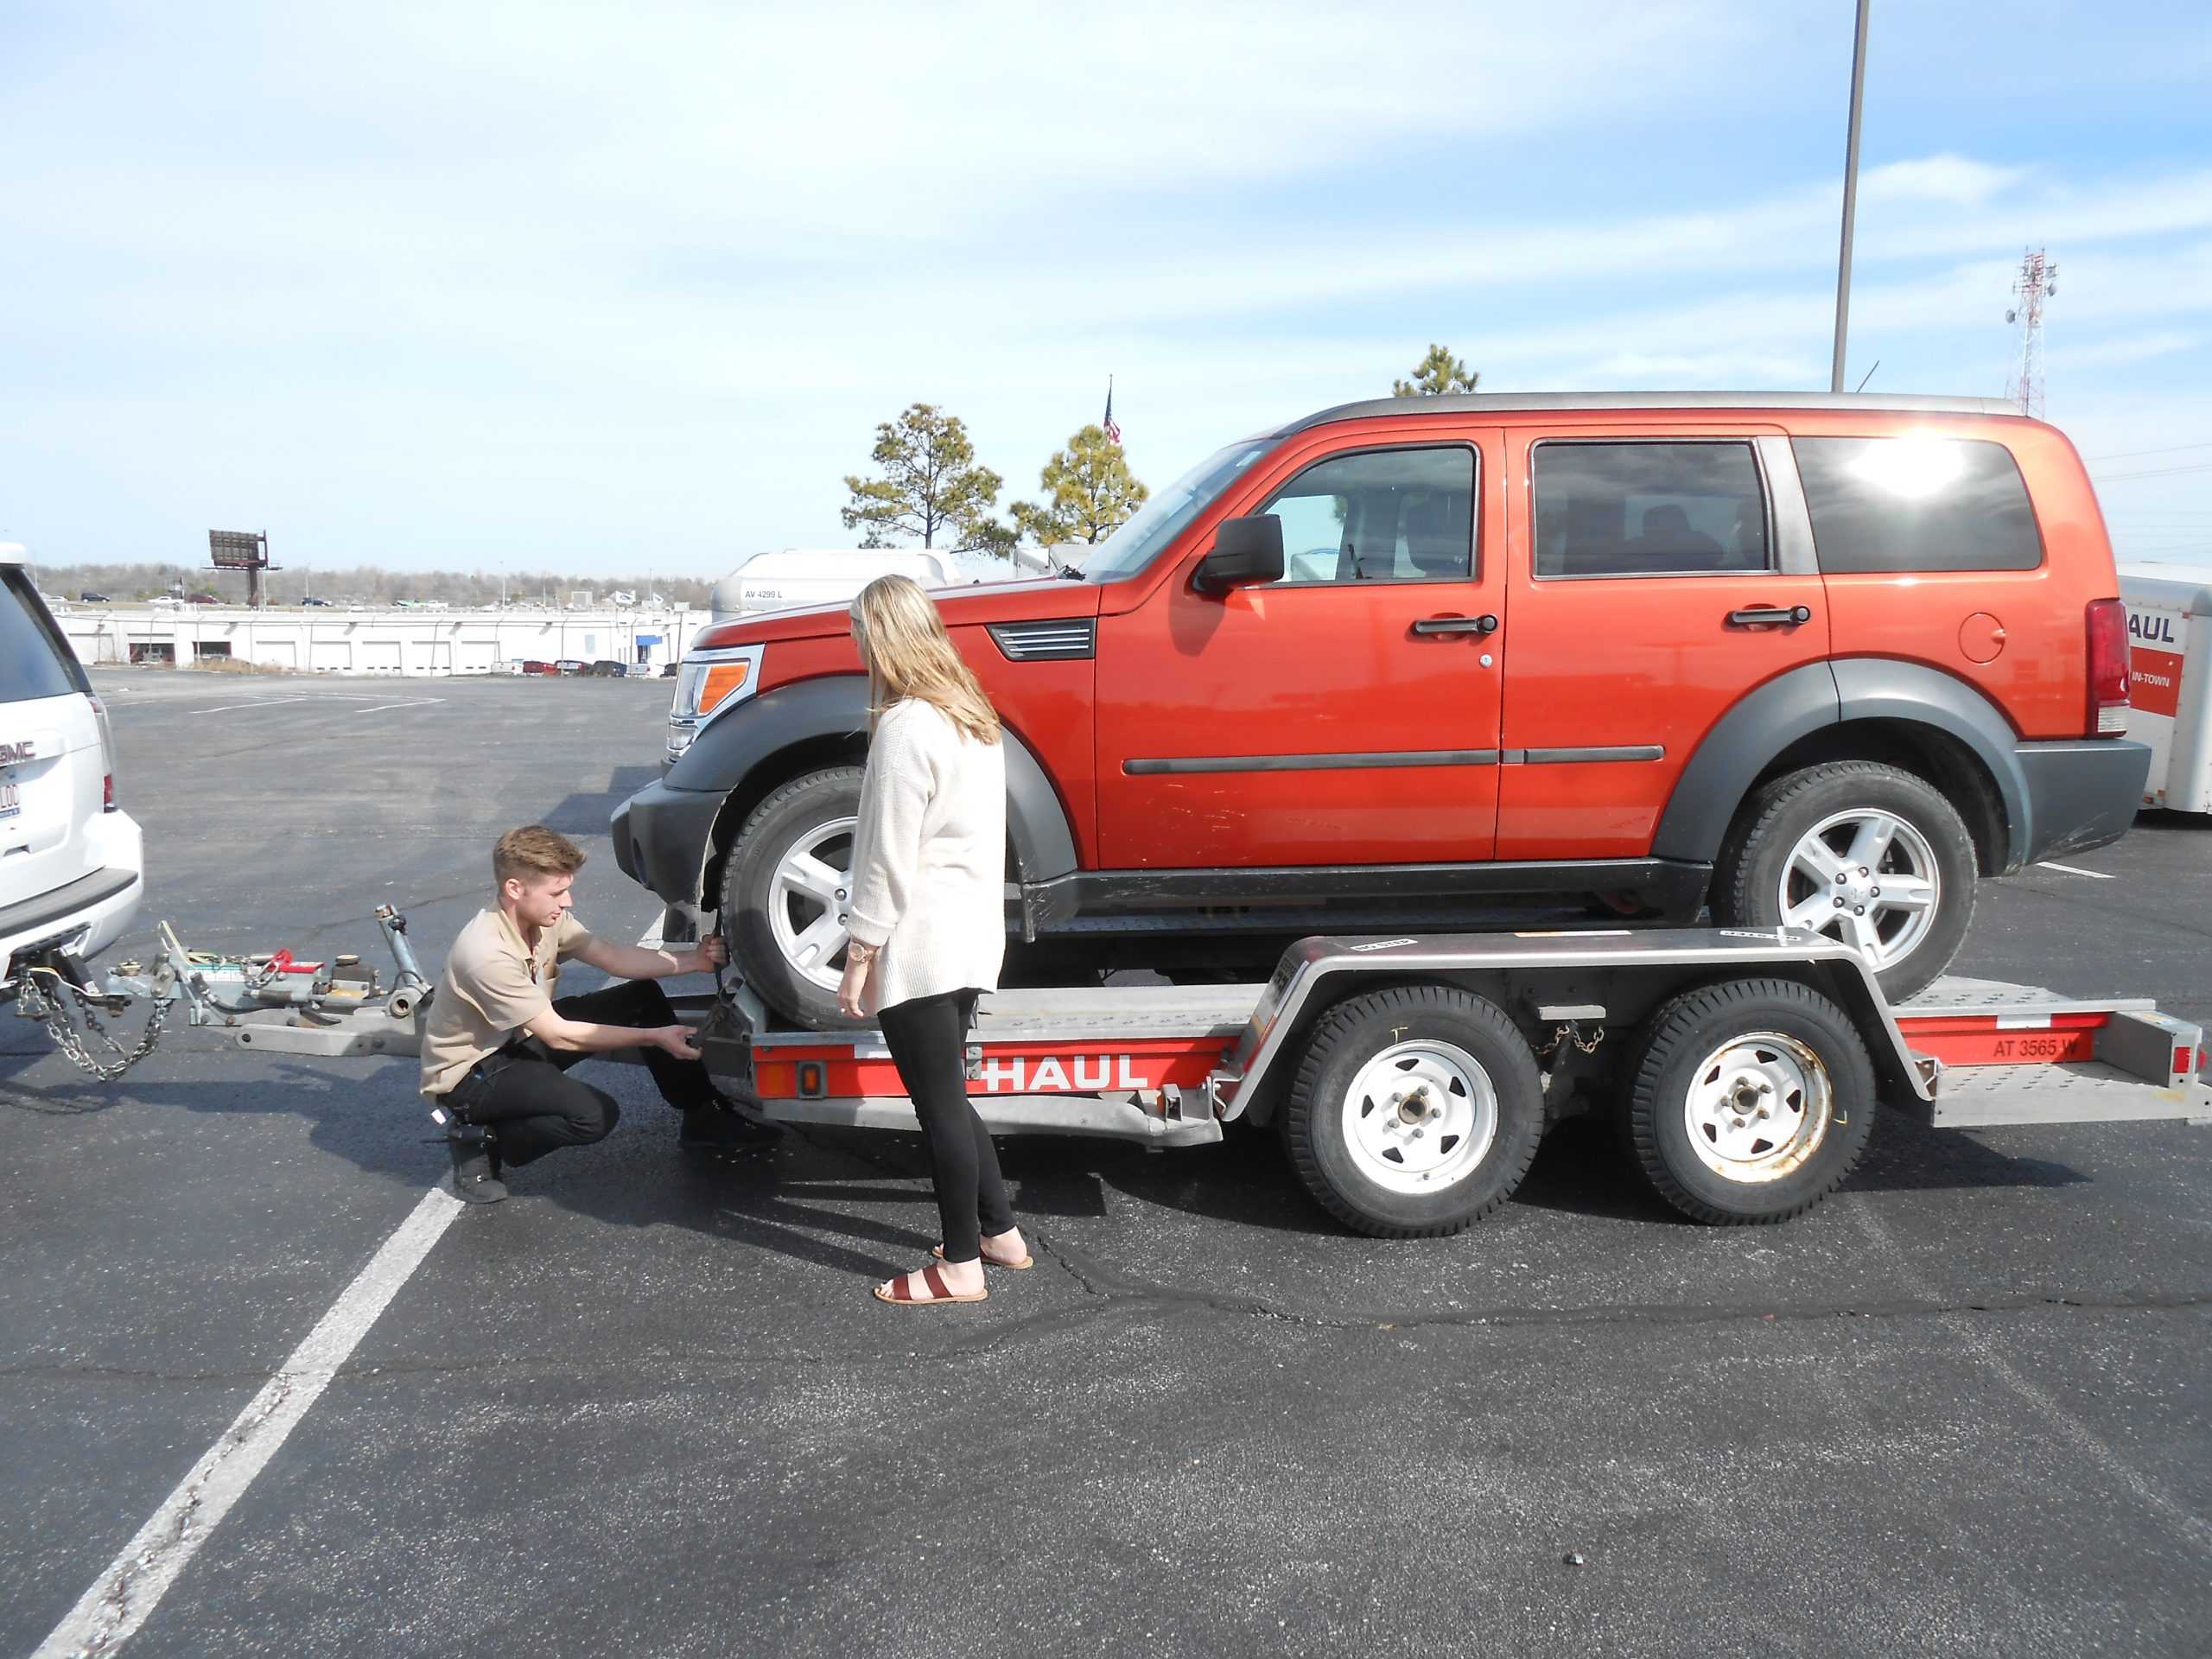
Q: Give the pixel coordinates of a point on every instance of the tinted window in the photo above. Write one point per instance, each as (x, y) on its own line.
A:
(1648, 509)
(33, 660)
(1917, 504)
(1389, 515)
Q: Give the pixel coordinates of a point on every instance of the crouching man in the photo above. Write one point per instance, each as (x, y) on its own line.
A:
(497, 1044)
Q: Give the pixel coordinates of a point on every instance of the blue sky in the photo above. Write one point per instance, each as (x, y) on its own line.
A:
(615, 289)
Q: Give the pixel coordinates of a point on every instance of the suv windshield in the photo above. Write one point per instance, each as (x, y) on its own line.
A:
(1162, 518)
(34, 661)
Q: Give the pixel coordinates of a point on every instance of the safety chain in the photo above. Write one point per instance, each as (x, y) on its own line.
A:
(47, 1006)
(1567, 1034)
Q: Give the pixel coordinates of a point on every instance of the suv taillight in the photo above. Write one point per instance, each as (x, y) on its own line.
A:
(107, 754)
(2107, 710)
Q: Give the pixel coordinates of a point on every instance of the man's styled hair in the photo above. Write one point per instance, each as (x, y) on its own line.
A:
(535, 850)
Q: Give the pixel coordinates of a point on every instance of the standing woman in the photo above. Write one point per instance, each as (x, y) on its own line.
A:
(927, 919)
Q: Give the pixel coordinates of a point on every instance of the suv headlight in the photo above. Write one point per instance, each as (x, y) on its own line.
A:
(708, 682)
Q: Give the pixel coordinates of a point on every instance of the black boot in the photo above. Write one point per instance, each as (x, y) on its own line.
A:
(475, 1163)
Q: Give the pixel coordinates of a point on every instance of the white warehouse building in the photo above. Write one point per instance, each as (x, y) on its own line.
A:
(378, 641)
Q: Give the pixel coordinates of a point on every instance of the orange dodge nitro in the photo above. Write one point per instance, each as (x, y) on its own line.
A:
(1811, 659)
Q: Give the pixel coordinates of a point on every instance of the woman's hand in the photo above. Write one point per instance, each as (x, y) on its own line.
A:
(853, 989)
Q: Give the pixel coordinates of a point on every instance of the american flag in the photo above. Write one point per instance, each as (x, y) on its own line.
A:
(1113, 432)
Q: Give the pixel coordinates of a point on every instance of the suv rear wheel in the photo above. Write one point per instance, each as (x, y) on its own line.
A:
(1866, 854)
(784, 888)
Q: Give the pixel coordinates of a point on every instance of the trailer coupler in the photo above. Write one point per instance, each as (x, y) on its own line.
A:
(330, 1004)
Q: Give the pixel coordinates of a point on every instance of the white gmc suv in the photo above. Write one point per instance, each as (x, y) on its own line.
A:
(72, 866)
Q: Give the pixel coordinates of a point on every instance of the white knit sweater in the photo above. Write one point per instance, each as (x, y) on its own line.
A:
(928, 858)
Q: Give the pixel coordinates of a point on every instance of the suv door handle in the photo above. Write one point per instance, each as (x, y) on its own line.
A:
(1788, 616)
(1456, 625)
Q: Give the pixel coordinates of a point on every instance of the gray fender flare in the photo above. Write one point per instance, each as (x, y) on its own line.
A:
(1746, 739)
(729, 748)
(1795, 705)
(1878, 688)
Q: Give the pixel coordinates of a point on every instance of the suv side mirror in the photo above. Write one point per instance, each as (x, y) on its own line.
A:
(1245, 550)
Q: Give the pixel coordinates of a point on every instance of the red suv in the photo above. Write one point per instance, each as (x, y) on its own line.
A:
(1808, 659)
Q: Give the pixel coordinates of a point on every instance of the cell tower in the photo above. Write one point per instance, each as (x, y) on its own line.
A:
(2037, 281)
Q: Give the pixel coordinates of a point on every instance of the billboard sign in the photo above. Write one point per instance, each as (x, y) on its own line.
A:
(238, 550)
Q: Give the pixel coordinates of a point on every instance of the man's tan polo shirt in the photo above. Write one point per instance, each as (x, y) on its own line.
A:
(494, 985)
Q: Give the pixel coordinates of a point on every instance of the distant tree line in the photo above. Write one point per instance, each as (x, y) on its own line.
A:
(929, 488)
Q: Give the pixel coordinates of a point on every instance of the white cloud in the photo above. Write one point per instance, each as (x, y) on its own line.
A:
(1950, 179)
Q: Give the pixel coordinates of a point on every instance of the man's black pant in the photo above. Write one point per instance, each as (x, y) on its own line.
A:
(928, 1040)
(523, 1090)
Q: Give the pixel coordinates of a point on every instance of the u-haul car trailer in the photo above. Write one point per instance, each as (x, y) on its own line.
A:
(1411, 1078)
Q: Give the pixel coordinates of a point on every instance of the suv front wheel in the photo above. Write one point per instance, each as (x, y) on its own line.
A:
(1866, 854)
(785, 887)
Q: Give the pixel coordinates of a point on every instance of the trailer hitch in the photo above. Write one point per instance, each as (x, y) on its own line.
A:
(323, 999)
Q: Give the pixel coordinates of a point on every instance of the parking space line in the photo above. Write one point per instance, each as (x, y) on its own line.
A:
(2095, 875)
(417, 703)
(255, 702)
(132, 1586)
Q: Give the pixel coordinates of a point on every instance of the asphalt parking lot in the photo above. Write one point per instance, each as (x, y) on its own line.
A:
(649, 1407)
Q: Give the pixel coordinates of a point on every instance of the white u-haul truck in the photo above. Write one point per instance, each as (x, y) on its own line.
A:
(2169, 680)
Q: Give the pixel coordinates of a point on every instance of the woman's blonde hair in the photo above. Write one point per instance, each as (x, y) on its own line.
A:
(908, 653)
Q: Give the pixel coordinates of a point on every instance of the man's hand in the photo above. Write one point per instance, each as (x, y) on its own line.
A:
(711, 954)
(676, 1040)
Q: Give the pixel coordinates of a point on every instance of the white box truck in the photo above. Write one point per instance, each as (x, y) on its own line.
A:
(2169, 679)
(821, 576)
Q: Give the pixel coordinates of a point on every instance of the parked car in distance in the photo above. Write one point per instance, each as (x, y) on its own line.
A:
(166, 602)
(1805, 659)
(531, 665)
(571, 665)
(203, 599)
(91, 599)
(72, 863)
(608, 668)
(321, 604)
(669, 670)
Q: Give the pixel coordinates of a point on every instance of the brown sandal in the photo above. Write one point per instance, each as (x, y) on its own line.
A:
(901, 1291)
(1022, 1265)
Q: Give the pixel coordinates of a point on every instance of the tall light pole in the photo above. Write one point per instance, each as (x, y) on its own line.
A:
(1849, 200)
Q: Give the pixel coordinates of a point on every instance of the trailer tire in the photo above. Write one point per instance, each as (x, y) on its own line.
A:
(1710, 1061)
(1430, 1165)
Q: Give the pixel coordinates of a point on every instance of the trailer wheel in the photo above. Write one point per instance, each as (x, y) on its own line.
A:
(1416, 1113)
(1750, 1101)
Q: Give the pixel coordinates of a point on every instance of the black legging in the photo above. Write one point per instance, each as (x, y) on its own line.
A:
(928, 1038)
(523, 1090)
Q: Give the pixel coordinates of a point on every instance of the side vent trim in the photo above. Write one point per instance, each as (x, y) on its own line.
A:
(1063, 639)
